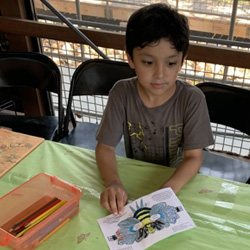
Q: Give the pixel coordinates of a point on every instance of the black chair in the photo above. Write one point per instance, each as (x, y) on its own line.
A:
(37, 71)
(6, 103)
(92, 77)
(229, 106)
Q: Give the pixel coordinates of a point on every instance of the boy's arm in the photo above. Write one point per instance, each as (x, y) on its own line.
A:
(186, 170)
(114, 197)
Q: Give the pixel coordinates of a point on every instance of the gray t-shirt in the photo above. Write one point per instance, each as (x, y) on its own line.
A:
(158, 135)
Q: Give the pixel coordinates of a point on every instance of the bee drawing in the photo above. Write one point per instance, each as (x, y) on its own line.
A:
(145, 221)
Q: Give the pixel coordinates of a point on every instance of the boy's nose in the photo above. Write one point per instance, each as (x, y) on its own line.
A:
(159, 71)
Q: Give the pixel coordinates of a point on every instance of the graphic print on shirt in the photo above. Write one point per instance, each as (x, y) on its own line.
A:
(175, 144)
(143, 139)
(139, 134)
(154, 145)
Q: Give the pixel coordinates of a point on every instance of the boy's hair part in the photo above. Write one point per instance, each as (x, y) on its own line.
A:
(151, 23)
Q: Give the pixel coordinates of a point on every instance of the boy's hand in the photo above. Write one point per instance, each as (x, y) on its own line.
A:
(113, 198)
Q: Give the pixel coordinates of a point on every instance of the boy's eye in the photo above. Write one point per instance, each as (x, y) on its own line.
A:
(171, 63)
(147, 62)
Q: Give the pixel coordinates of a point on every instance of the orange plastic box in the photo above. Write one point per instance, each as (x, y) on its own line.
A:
(23, 199)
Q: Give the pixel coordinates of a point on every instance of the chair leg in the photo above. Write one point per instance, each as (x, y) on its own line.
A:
(5, 104)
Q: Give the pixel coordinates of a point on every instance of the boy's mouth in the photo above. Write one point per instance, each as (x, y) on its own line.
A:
(157, 85)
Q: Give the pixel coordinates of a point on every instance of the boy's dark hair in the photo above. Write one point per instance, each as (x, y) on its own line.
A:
(151, 23)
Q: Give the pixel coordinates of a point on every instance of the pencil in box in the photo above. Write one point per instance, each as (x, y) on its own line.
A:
(27, 198)
(41, 218)
(27, 218)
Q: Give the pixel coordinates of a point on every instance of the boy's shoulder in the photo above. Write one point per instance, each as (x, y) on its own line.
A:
(186, 88)
(126, 85)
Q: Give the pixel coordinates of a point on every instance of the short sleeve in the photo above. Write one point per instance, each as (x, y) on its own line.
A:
(111, 127)
(197, 128)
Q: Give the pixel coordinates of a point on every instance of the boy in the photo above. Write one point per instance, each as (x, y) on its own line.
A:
(163, 120)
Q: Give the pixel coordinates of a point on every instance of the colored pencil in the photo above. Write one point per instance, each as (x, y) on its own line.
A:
(34, 215)
(41, 217)
(26, 217)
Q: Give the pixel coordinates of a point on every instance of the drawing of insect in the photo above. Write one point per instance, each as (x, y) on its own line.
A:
(145, 221)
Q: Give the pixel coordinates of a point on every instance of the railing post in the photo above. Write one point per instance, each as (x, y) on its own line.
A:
(231, 32)
(76, 30)
(79, 16)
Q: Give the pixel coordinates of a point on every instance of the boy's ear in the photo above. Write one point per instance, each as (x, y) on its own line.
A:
(130, 61)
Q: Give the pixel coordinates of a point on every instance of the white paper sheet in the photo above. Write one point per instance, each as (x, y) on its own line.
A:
(146, 221)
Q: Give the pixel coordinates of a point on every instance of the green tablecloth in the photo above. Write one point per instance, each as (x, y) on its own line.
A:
(219, 208)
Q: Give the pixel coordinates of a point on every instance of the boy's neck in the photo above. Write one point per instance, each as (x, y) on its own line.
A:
(153, 101)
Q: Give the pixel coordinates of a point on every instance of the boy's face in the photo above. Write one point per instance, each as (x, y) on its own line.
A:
(157, 66)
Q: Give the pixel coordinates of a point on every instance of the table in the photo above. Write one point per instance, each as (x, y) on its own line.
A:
(219, 208)
(213, 164)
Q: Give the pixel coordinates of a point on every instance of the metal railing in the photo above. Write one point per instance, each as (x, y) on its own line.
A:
(69, 55)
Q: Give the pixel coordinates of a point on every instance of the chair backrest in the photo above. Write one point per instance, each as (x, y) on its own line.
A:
(228, 105)
(96, 77)
(33, 70)
(29, 69)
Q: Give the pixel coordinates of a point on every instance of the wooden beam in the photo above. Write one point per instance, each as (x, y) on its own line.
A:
(95, 9)
(217, 55)
(202, 53)
(60, 32)
(218, 26)
(199, 22)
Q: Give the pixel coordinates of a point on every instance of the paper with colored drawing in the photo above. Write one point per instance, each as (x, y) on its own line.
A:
(146, 221)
